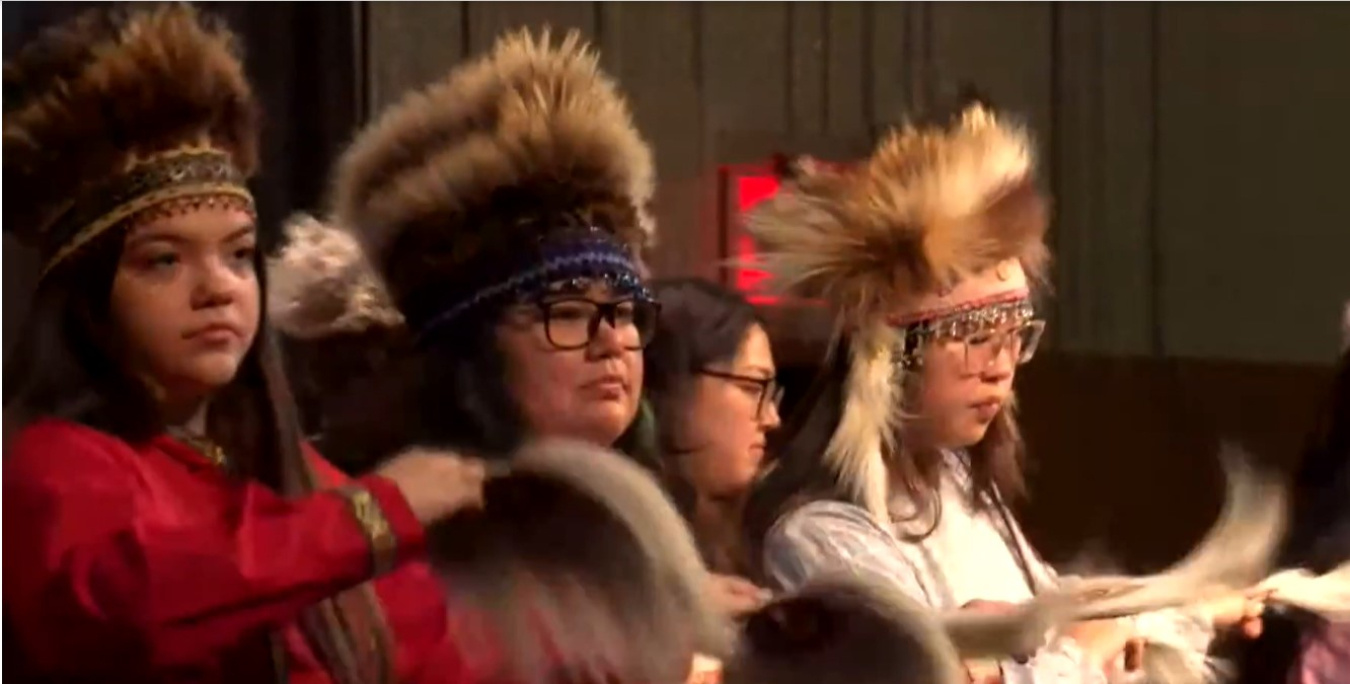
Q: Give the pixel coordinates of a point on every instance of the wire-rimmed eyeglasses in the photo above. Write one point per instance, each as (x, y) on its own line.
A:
(981, 348)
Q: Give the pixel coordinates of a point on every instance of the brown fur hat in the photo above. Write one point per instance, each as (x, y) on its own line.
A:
(111, 92)
(451, 191)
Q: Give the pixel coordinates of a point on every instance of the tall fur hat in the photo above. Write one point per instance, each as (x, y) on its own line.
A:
(118, 115)
(520, 169)
(629, 603)
(942, 224)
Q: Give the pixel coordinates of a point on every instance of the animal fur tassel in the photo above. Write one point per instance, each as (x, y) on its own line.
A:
(1235, 555)
(1327, 596)
(1021, 632)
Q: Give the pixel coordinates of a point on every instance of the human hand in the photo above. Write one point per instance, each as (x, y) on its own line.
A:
(991, 607)
(983, 672)
(1102, 641)
(736, 596)
(436, 484)
(1240, 612)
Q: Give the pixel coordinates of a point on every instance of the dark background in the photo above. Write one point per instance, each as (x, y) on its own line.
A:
(1196, 153)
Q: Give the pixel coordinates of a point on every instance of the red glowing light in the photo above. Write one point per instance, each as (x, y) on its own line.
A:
(750, 191)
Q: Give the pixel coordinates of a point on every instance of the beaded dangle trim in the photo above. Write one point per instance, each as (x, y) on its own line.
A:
(592, 256)
(961, 323)
(177, 174)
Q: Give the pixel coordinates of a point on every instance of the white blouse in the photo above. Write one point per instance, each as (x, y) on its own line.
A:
(969, 555)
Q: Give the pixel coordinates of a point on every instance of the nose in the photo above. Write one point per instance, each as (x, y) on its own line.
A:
(607, 341)
(216, 284)
(770, 419)
(1004, 361)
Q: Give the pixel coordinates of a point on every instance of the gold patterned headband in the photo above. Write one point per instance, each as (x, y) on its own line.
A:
(182, 173)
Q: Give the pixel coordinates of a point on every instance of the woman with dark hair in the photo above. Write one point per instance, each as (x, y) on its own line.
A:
(907, 460)
(164, 520)
(482, 263)
(482, 268)
(711, 382)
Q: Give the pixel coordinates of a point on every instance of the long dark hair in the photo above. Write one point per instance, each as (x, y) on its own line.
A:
(64, 366)
(701, 324)
(800, 474)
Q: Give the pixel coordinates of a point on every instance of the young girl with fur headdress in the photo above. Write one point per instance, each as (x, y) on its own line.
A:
(927, 252)
(164, 520)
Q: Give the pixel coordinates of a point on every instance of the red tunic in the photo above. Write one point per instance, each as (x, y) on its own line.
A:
(146, 563)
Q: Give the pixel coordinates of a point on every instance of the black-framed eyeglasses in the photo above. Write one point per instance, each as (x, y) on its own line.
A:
(572, 322)
(767, 390)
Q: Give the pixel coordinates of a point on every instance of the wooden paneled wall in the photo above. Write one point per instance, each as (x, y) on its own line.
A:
(1196, 152)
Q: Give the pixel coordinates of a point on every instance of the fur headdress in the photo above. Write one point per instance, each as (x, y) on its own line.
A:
(920, 234)
(627, 604)
(117, 116)
(516, 171)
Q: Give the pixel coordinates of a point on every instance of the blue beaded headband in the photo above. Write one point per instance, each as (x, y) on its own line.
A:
(592, 254)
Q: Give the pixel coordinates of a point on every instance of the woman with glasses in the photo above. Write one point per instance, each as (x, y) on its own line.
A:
(909, 456)
(489, 280)
(483, 266)
(712, 388)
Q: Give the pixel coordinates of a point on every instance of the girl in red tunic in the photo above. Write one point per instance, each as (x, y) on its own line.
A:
(163, 521)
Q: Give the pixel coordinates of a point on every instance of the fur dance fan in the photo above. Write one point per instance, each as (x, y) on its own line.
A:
(578, 569)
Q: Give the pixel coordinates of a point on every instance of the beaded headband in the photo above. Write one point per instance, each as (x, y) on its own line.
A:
(590, 254)
(973, 317)
(182, 173)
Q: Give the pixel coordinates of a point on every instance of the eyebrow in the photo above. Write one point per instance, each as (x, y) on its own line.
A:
(761, 370)
(162, 236)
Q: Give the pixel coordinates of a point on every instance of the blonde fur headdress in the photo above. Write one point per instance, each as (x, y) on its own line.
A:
(935, 206)
(520, 167)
